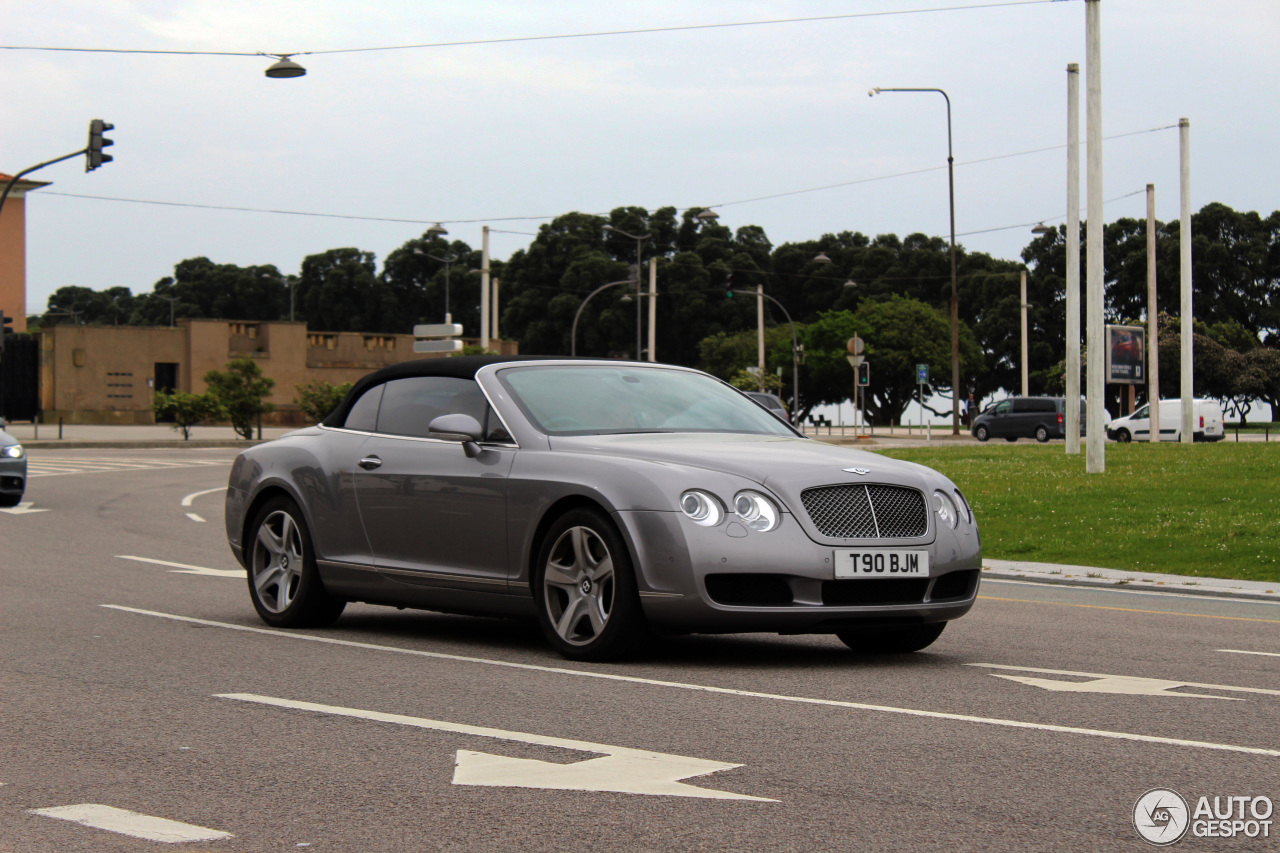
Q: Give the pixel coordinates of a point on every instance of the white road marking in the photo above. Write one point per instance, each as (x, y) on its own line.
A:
(1130, 685)
(1242, 652)
(725, 691)
(621, 769)
(61, 467)
(24, 508)
(1111, 590)
(194, 517)
(191, 497)
(133, 824)
(184, 569)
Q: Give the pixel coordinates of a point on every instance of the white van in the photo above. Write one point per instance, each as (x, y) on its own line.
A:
(1206, 418)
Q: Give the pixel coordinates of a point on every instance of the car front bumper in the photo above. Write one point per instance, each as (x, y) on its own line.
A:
(729, 579)
(13, 476)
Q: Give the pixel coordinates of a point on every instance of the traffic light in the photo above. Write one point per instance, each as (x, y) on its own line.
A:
(6, 328)
(864, 374)
(728, 285)
(93, 154)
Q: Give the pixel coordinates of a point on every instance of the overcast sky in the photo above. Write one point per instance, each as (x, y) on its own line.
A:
(479, 134)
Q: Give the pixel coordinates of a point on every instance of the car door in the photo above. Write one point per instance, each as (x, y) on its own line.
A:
(1141, 423)
(1002, 419)
(432, 514)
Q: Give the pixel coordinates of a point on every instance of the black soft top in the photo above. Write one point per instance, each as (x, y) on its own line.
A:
(458, 367)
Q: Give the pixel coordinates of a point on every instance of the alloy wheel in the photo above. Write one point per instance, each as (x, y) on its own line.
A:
(578, 585)
(277, 561)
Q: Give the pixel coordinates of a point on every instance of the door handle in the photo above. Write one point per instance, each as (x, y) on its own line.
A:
(369, 463)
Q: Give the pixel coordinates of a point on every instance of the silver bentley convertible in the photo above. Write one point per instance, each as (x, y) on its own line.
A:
(610, 499)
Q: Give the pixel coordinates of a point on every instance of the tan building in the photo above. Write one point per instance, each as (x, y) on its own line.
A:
(13, 251)
(109, 374)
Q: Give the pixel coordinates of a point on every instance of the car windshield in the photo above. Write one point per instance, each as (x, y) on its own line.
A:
(593, 400)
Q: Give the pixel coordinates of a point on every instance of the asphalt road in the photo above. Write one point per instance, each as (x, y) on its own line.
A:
(153, 688)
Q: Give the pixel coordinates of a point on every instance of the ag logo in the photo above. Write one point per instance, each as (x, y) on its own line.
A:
(1161, 816)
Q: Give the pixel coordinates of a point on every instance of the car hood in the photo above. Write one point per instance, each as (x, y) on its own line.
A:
(782, 463)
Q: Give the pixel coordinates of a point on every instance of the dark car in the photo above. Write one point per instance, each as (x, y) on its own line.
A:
(770, 402)
(604, 498)
(1041, 418)
(13, 470)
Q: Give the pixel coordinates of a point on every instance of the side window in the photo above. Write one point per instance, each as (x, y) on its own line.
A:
(1002, 408)
(410, 405)
(364, 414)
(1144, 412)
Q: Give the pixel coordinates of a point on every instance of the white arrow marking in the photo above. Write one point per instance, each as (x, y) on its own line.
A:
(130, 823)
(620, 769)
(24, 508)
(1242, 652)
(184, 569)
(191, 497)
(1130, 685)
(194, 517)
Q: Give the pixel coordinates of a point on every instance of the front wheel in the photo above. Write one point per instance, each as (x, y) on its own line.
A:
(1123, 436)
(1042, 434)
(585, 589)
(982, 433)
(891, 641)
(284, 583)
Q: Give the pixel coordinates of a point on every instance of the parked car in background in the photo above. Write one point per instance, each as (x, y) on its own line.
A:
(603, 498)
(1206, 421)
(1041, 418)
(770, 402)
(13, 470)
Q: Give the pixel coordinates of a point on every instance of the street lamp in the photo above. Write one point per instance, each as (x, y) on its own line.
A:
(170, 300)
(707, 215)
(639, 242)
(955, 300)
(795, 349)
(573, 334)
(1043, 229)
(285, 67)
(448, 260)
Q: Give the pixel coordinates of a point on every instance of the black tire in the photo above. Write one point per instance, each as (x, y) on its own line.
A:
(589, 607)
(10, 500)
(285, 595)
(1042, 434)
(891, 641)
(1123, 436)
(982, 433)
(1010, 438)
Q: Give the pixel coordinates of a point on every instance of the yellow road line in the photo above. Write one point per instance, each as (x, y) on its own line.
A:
(1132, 609)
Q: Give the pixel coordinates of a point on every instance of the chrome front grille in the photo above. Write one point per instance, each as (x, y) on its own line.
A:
(857, 511)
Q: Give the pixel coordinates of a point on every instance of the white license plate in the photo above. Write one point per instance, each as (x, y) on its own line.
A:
(882, 563)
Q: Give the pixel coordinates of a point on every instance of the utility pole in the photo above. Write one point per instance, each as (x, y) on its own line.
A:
(1184, 240)
(495, 311)
(653, 308)
(1095, 451)
(1026, 384)
(1153, 327)
(760, 330)
(1073, 259)
(484, 288)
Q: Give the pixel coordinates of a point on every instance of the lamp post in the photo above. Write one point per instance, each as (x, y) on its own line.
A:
(795, 348)
(639, 242)
(955, 301)
(448, 260)
(170, 300)
(573, 334)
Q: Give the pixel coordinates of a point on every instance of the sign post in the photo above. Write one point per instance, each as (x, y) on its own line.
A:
(445, 331)
(922, 379)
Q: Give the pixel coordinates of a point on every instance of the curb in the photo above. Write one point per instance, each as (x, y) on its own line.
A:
(1102, 583)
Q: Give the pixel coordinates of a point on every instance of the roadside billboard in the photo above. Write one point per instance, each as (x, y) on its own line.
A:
(1126, 355)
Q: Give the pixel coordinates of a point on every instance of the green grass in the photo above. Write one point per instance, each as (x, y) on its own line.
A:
(1211, 510)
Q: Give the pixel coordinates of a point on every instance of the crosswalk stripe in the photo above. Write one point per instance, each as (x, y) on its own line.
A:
(124, 822)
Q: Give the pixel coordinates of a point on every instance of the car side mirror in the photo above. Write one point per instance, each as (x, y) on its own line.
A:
(458, 427)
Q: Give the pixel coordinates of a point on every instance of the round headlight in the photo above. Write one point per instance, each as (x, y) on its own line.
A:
(13, 451)
(946, 509)
(702, 508)
(756, 511)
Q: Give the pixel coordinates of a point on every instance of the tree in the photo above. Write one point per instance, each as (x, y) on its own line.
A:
(340, 291)
(899, 333)
(240, 392)
(187, 410)
(318, 398)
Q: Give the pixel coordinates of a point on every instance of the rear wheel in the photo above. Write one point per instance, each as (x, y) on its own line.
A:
(891, 641)
(585, 588)
(982, 433)
(1042, 434)
(284, 583)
